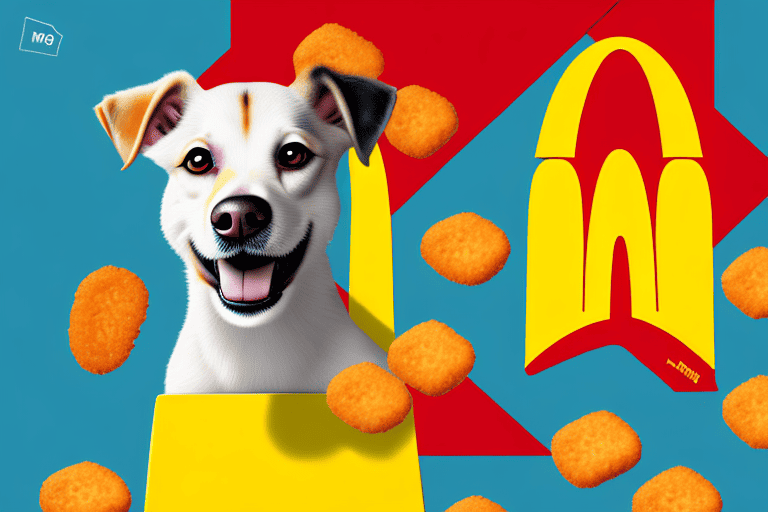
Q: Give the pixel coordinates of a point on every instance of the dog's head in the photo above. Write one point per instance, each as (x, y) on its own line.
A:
(251, 201)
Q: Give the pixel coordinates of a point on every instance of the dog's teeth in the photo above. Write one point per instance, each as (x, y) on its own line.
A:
(249, 285)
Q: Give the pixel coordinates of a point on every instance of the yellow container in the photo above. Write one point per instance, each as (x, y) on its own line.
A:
(275, 452)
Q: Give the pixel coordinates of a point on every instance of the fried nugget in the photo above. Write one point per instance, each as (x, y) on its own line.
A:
(340, 49)
(368, 398)
(595, 448)
(110, 306)
(475, 504)
(677, 490)
(431, 357)
(465, 248)
(421, 123)
(745, 282)
(85, 487)
(745, 411)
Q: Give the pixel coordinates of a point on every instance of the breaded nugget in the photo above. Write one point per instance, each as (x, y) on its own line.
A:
(340, 49)
(431, 357)
(84, 487)
(677, 490)
(422, 122)
(475, 504)
(595, 448)
(745, 282)
(465, 248)
(110, 306)
(745, 411)
(368, 398)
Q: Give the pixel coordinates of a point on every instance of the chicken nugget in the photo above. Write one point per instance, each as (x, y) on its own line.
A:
(678, 489)
(431, 357)
(465, 248)
(745, 411)
(421, 123)
(475, 504)
(595, 448)
(745, 283)
(368, 398)
(110, 306)
(339, 49)
(85, 487)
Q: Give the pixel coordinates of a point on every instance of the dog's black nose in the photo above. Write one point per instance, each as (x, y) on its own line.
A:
(241, 217)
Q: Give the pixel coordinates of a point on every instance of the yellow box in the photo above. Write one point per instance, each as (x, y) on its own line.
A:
(276, 453)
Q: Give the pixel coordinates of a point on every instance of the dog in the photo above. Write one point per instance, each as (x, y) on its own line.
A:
(250, 206)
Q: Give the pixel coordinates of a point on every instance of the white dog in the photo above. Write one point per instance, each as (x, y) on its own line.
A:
(250, 206)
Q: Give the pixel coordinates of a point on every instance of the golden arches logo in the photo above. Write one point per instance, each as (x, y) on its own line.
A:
(569, 285)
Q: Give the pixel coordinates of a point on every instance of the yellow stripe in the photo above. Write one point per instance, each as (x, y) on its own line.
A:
(371, 290)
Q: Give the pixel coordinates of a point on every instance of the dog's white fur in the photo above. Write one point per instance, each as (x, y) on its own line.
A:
(304, 340)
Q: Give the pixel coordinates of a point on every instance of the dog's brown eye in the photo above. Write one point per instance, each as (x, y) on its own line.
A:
(293, 156)
(198, 161)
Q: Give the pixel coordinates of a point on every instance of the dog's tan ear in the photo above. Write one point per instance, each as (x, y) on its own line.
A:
(360, 105)
(139, 117)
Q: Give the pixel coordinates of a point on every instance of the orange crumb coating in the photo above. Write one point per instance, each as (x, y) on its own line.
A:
(85, 487)
(595, 448)
(422, 122)
(368, 398)
(431, 357)
(110, 305)
(339, 49)
(475, 504)
(745, 283)
(465, 248)
(745, 411)
(678, 489)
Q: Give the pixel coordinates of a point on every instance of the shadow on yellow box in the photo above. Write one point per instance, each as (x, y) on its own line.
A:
(275, 452)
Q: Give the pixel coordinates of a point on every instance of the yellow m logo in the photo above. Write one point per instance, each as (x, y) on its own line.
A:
(569, 282)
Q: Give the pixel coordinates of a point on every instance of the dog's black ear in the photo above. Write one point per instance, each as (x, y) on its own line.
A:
(360, 105)
(137, 118)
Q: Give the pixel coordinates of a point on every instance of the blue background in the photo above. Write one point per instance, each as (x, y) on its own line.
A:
(72, 211)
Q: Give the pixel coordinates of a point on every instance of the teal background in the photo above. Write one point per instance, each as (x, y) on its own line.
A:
(72, 211)
(741, 68)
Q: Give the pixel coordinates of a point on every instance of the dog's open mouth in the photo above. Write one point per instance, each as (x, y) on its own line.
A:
(250, 284)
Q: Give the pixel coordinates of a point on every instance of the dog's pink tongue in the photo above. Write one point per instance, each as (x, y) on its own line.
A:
(244, 285)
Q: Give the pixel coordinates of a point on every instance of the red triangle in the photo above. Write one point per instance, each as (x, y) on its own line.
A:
(466, 421)
(344, 296)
